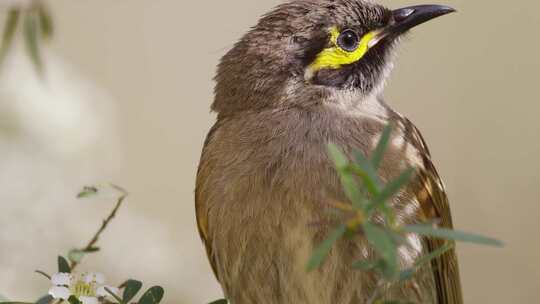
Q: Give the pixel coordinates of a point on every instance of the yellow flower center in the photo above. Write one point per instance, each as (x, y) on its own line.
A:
(83, 289)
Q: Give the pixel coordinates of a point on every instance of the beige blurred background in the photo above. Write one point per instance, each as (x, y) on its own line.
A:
(126, 99)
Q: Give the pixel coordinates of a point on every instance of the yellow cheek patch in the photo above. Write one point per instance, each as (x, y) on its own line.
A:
(335, 57)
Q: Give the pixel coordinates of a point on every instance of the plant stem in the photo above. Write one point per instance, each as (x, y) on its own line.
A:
(123, 195)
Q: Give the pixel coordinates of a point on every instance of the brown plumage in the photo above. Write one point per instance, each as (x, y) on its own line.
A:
(265, 175)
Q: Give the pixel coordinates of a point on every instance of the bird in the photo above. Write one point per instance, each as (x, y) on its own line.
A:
(310, 73)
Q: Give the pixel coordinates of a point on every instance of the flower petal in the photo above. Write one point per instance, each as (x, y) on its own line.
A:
(97, 278)
(88, 300)
(101, 292)
(59, 292)
(61, 278)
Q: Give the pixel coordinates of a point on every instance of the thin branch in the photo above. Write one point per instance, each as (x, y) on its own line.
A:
(95, 238)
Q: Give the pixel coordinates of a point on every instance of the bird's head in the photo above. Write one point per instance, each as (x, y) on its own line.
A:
(306, 50)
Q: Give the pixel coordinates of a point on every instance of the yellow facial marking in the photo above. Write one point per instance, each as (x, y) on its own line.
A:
(335, 57)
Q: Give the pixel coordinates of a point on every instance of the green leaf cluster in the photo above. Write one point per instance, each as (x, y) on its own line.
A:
(368, 196)
(153, 295)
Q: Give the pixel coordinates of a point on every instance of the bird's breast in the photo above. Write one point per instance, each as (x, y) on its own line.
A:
(266, 184)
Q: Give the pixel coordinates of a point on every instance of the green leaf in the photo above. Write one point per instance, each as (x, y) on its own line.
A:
(392, 188)
(378, 154)
(347, 178)
(74, 300)
(221, 301)
(43, 273)
(88, 191)
(9, 31)
(434, 254)
(352, 190)
(15, 303)
(112, 294)
(30, 28)
(45, 22)
(76, 255)
(131, 289)
(384, 245)
(455, 235)
(45, 300)
(390, 271)
(63, 265)
(367, 173)
(340, 160)
(406, 275)
(366, 265)
(152, 296)
(321, 252)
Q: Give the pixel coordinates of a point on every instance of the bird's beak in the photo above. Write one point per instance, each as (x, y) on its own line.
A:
(406, 18)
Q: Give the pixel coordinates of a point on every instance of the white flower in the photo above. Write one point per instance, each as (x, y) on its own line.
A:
(86, 287)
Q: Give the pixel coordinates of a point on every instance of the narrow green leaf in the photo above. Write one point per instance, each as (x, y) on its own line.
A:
(378, 154)
(30, 28)
(406, 275)
(63, 265)
(390, 271)
(426, 259)
(392, 188)
(152, 296)
(45, 22)
(75, 255)
(321, 252)
(221, 301)
(43, 273)
(9, 31)
(348, 182)
(367, 173)
(45, 300)
(434, 254)
(384, 245)
(397, 237)
(131, 290)
(366, 265)
(88, 191)
(450, 234)
(340, 160)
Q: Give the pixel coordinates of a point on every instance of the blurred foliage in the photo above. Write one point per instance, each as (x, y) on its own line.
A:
(34, 22)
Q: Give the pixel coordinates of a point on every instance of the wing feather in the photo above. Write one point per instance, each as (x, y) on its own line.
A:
(434, 202)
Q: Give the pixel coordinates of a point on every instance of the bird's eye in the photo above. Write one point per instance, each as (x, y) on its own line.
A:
(348, 40)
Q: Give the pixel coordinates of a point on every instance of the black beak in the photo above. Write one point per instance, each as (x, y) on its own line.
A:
(408, 17)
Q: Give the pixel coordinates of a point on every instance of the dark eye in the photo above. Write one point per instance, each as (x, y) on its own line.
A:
(348, 40)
